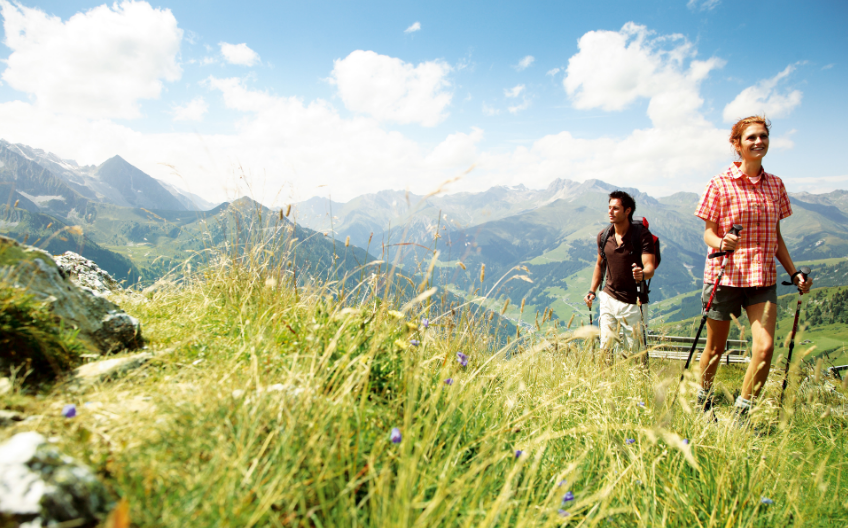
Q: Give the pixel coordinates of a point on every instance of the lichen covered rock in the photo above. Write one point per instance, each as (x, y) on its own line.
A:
(39, 486)
(84, 272)
(102, 326)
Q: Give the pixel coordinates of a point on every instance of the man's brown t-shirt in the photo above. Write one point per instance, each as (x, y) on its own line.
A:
(620, 283)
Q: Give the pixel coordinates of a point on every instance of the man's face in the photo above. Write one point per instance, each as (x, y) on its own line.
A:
(617, 212)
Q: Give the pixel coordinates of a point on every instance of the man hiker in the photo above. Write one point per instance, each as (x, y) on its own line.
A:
(628, 258)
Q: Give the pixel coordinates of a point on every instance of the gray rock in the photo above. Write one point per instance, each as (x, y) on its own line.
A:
(109, 368)
(86, 273)
(102, 325)
(7, 418)
(39, 486)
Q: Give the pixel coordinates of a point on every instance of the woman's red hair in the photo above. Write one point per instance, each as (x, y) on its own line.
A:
(740, 126)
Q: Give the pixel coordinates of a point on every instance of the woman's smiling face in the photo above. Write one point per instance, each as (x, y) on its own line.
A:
(754, 143)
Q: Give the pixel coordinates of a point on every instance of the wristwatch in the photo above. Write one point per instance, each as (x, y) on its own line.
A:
(591, 293)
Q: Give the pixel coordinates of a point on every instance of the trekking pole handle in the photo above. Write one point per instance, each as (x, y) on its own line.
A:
(734, 230)
(803, 271)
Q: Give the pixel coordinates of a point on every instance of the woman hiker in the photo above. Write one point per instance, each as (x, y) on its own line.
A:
(744, 194)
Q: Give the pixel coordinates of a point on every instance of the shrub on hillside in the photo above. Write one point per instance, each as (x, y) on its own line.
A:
(33, 338)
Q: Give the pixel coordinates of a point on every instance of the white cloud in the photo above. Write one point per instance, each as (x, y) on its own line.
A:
(680, 151)
(525, 63)
(515, 91)
(553, 71)
(191, 111)
(524, 105)
(238, 54)
(205, 61)
(702, 5)
(763, 98)
(280, 142)
(783, 142)
(457, 151)
(614, 68)
(413, 28)
(490, 110)
(828, 66)
(390, 89)
(816, 184)
(98, 64)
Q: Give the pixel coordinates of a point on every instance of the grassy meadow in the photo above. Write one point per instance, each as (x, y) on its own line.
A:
(274, 405)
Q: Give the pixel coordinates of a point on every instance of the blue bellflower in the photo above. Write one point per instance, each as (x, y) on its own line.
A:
(396, 436)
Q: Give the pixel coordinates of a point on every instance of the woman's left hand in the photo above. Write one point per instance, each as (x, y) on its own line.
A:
(803, 284)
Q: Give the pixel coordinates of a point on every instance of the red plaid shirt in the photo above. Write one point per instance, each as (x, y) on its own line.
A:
(732, 198)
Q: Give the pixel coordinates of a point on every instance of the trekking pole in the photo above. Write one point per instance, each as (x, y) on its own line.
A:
(805, 272)
(724, 254)
(644, 333)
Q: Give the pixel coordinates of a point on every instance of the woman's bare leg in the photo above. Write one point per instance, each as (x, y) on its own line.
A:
(763, 318)
(716, 341)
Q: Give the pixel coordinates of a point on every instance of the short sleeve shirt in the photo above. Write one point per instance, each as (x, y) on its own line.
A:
(620, 284)
(757, 204)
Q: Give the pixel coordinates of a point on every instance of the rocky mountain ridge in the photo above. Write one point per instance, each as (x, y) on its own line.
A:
(115, 181)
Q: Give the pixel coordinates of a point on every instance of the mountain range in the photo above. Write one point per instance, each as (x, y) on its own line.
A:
(40, 180)
(137, 227)
(552, 234)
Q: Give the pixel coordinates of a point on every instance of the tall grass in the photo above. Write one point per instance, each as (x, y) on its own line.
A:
(273, 405)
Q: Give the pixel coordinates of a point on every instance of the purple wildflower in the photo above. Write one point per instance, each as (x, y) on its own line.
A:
(630, 441)
(69, 410)
(462, 358)
(425, 323)
(396, 436)
(568, 497)
(562, 483)
(685, 441)
(767, 501)
(641, 404)
(518, 453)
(449, 381)
(414, 342)
(563, 513)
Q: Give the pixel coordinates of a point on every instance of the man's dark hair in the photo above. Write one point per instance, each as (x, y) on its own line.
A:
(626, 201)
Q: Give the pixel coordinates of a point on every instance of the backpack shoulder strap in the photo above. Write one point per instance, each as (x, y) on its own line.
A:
(602, 243)
(636, 242)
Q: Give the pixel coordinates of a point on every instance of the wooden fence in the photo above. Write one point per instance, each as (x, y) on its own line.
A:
(674, 347)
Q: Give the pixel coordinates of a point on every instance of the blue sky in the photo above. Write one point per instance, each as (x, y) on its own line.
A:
(342, 98)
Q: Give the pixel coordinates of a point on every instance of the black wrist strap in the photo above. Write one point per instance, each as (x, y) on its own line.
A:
(792, 278)
(592, 293)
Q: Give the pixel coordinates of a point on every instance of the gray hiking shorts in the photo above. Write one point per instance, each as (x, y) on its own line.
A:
(730, 300)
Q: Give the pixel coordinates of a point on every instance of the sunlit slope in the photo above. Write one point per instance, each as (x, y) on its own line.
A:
(56, 237)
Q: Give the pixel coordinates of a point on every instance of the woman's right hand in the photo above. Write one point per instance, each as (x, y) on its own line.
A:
(729, 242)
